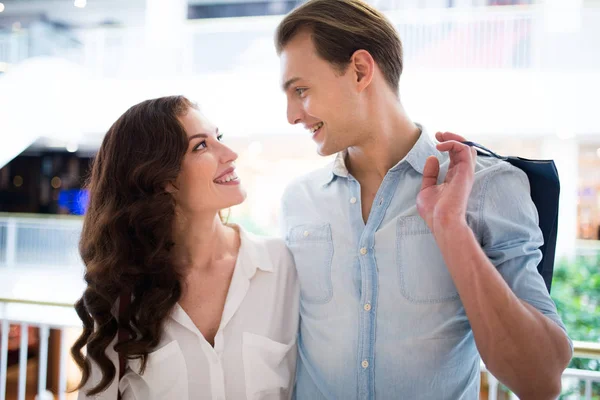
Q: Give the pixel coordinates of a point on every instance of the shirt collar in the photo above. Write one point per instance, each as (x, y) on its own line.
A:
(416, 157)
(253, 255)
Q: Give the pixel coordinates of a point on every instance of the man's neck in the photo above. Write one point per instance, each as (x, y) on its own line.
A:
(391, 136)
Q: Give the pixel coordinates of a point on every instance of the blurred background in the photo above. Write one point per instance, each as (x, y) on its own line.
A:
(521, 77)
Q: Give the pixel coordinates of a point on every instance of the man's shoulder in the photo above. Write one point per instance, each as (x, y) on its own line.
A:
(309, 182)
(489, 168)
(496, 181)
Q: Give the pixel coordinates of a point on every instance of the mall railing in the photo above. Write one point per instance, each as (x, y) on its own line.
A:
(571, 377)
(515, 38)
(61, 316)
(34, 247)
(13, 47)
(31, 240)
(44, 316)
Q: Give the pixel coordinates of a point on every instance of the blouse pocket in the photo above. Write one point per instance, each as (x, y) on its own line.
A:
(165, 376)
(269, 367)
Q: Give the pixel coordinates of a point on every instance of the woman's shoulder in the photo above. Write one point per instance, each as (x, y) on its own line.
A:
(270, 252)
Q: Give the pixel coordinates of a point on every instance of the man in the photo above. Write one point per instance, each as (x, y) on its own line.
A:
(414, 258)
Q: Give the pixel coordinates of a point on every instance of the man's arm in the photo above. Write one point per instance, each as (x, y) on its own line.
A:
(523, 348)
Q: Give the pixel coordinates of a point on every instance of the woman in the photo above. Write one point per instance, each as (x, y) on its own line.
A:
(214, 309)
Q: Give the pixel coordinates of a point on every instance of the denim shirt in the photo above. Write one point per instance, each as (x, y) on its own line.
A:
(380, 316)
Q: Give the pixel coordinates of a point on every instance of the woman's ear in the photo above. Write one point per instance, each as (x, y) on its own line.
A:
(170, 188)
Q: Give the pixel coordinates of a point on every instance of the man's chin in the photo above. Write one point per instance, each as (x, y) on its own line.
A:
(324, 150)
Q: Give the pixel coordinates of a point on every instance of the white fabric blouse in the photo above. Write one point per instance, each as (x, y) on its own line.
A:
(254, 354)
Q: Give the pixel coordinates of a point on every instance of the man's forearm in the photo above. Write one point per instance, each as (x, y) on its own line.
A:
(519, 345)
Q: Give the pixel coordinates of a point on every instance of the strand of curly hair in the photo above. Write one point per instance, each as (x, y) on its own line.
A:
(127, 236)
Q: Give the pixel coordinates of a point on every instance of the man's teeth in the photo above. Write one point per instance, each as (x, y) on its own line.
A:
(227, 178)
(316, 127)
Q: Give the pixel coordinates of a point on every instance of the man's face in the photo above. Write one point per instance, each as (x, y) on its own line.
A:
(319, 96)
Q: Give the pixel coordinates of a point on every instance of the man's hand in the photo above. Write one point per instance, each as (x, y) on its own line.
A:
(445, 204)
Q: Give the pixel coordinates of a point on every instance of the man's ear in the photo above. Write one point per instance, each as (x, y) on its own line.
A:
(363, 66)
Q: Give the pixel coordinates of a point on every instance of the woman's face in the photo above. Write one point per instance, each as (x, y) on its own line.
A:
(207, 181)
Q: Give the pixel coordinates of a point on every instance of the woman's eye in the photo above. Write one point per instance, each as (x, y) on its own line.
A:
(201, 145)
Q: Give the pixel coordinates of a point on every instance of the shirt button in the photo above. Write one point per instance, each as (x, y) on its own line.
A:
(367, 307)
(353, 200)
(365, 364)
(363, 251)
(306, 233)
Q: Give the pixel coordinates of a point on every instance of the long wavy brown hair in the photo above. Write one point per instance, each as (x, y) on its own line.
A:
(127, 235)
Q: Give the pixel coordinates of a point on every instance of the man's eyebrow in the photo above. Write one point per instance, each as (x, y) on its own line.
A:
(289, 82)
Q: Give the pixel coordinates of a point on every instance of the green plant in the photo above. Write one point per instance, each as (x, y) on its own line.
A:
(576, 292)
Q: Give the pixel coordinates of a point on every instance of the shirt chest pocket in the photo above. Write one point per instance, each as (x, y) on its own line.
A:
(165, 376)
(312, 248)
(268, 367)
(422, 272)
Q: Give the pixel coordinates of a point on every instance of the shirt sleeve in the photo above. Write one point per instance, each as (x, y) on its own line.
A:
(511, 237)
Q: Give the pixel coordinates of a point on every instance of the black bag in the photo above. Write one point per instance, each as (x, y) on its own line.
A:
(545, 190)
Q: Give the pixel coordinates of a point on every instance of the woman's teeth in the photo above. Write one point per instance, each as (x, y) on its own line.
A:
(227, 178)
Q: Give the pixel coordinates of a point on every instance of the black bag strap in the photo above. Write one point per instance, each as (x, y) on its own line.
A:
(484, 151)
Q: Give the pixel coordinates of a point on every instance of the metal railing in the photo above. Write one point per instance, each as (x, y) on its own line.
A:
(52, 315)
(514, 38)
(28, 242)
(523, 37)
(13, 47)
(37, 240)
(578, 375)
(33, 240)
(44, 316)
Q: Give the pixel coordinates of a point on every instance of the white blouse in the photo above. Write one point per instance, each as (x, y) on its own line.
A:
(254, 356)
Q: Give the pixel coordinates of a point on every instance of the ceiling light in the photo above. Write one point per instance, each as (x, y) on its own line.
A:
(18, 181)
(80, 3)
(1, 7)
(56, 182)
